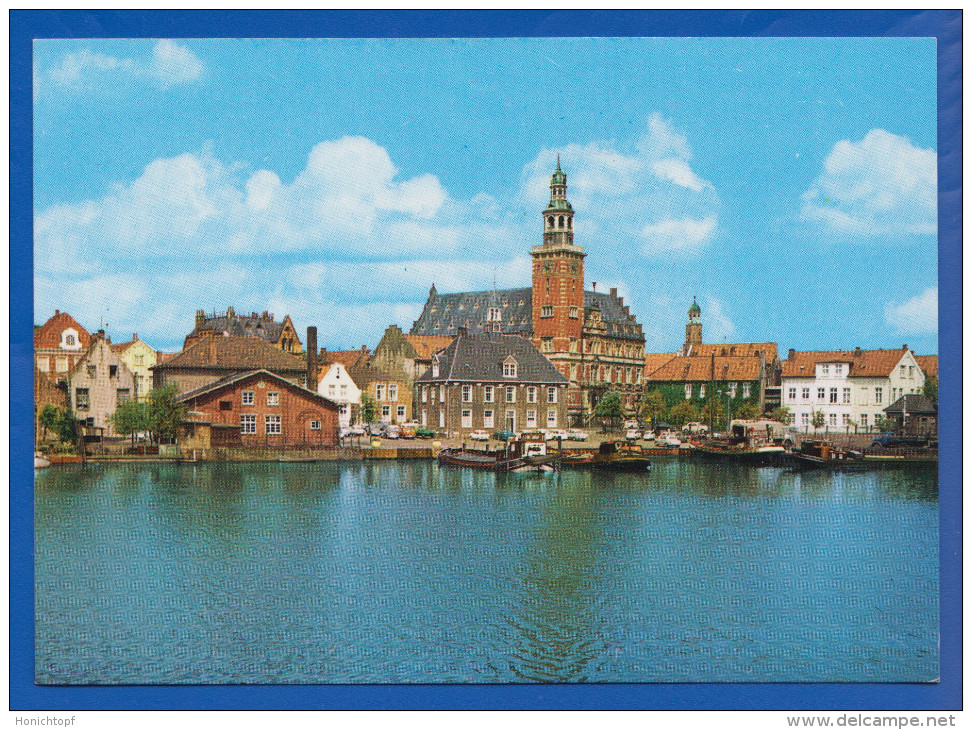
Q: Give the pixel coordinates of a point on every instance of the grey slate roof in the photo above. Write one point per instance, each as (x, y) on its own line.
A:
(915, 404)
(479, 358)
(243, 325)
(444, 314)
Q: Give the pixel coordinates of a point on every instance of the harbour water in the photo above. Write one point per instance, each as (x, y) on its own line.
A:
(407, 572)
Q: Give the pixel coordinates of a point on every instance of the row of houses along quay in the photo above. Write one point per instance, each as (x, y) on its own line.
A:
(544, 356)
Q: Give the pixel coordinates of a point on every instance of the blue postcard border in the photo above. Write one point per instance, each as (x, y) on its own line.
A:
(944, 25)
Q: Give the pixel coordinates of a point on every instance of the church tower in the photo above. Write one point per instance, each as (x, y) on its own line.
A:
(558, 277)
(693, 330)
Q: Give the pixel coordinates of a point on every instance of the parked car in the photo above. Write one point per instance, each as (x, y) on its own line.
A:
(668, 440)
(504, 435)
(555, 433)
(632, 434)
(695, 427)
(575, 434)
(407, 430)
(424, 433)
(349, 431)
(479, 435)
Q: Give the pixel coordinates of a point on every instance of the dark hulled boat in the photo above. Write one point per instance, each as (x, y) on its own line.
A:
(529, 452)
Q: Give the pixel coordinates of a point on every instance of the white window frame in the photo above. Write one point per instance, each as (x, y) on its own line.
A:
(393, 392)
(400, 411)
(531, 419)
(846, 396)
(551, 418)
(315, 425)
(791, 393)
(489, 418)
(488, 394)
(248, 397)
(247, 423)
(551, 394)
(273, 398)
(466, 418)
(273, 423)
(688, 391)
(511, 394)
(805, 393)
(467, 393)
(531, 393)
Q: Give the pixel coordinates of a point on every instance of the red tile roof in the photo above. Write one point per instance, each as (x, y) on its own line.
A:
(244, 352)
(48, 335)
(863, 363)
(653, 361)
(345, 357)
(928, 363)
(427, 345)
(704, 369)
(729, 349)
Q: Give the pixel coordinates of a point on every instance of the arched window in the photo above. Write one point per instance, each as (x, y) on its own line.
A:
(570, 223)
(560, 223)
(550, 222)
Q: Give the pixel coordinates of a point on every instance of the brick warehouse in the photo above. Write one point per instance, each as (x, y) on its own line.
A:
(259, 408)
(591, 337)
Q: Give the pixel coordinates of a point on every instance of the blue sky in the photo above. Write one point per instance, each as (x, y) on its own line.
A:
(789, 184)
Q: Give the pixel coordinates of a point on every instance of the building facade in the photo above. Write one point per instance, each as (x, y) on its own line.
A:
(262, 409)
(281, 334)
(337, 385)
(491, 382)
(138, 357)
(591, 337)
(98, 384)
(58, 345)
(851, 388)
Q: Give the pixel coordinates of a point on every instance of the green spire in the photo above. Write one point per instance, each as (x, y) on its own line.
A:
(694, 310)
(559, 177)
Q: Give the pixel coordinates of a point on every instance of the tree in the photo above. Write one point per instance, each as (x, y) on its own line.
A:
(886, 424)
(781, 414)
(609, 409)
(369, 409)
(165, 412)
(748, 410)
(652, 406)
(714, 412)
(817, 420)
(49, 417)
(131, 417)
(930, 388)
(683, 412)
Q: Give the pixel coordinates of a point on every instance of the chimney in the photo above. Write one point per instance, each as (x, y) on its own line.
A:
(322, 358)
(792, 354)
(265, 313)
(904, 347)
(230, 312)
(200, 317)
(594, 286)
(312, 358)
(857, 351)
(57, 312)
(101, 334)
(134, 336)
(614, 291)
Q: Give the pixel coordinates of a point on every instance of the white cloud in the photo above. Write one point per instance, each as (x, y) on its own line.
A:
(171, 64)
(174, 64)
(621, 193)
(918, 315)
(880, 185)
(684, 235)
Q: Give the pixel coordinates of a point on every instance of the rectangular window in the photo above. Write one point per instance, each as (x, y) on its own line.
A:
(833, 419)
(273, 425)
(225, 405)
(847, 396)
(821, 394)
(845, 419)
(315, 425)
(466, 418)
(425, 394)
(531, 419)
(112, 371)
(878, 395)
(688, 391)
(732, 390)
(825, 369)
(467, 394)
(123, 395)
(573, 313)
(487, 394)
(249, 398)
(393, 392)
(746, 391)
(833, 395)
(92, 371)
(509, 369)
(791, 393)
(273, 399)
(911, 371)
(425, 417)
(546, 344)
(400, 412)
(385, 413)
(551, 418)
(805, 393)
(838, 369)
(488, 419)
(44, 364)
(551, 394)
(380, 392)
(248, 423)
(441, 418)
(81, 401)
(139, 360)
(61, 365)
(702, 390)
(510, 394)
(531, 394)
(332, 390)
(901, 370)
(864, 420)
(804, 419)
(441, 394)
(546, 310)
(511, 420)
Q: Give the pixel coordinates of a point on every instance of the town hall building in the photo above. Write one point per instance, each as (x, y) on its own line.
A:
(591, 337)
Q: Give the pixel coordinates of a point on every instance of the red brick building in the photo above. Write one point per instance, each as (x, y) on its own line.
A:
(259, 408)
(58, 345)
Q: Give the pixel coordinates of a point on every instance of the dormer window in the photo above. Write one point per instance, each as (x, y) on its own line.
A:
(69, 340)
(509, 367)
(435, 366)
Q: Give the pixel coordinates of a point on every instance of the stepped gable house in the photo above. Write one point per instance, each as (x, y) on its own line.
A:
(591, 337)
(138, 357)
(58, 345)
(742, 371)
(98, 384)
(491, 381)
(281, 335)
(212, 358)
